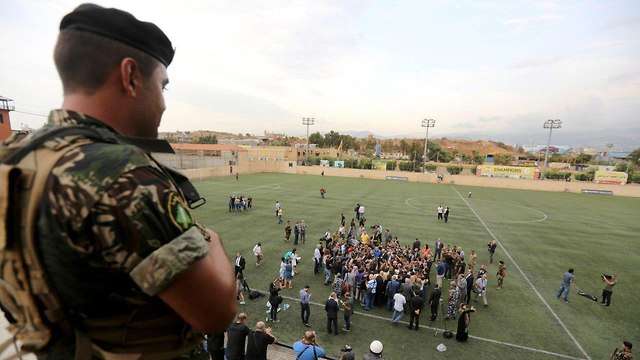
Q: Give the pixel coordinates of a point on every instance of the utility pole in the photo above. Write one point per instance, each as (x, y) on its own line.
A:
(550, 124)
(308, 121)
(426, 123)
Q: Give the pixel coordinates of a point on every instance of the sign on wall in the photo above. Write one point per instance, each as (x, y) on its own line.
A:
(611, 177)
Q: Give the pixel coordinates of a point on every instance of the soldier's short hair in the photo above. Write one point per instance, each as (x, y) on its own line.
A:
(84, 60)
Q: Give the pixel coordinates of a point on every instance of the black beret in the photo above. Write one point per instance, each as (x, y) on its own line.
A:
(120, 26)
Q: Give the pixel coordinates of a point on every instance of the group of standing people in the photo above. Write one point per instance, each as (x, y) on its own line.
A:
(242, 342)
(299, 230)
(443, 213)
(240, 203)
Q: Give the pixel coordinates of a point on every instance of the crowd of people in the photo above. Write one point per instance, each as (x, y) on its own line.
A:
(377, 271)
(242, 343)
(367, 266)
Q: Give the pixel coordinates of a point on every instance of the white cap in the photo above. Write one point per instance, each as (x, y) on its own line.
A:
(376, 347)
(441, 348)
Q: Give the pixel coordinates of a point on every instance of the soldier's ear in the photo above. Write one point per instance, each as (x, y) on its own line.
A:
(130, 76)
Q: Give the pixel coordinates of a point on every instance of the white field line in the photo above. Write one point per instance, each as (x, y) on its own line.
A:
(526, 278)
(442, 330)
(544, 217)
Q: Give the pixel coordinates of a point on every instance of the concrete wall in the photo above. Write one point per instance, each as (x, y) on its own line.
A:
(252, 167)
(182, 161)
(245, 167)
(471, 180)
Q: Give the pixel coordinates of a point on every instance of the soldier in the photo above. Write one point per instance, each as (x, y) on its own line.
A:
(117, 266)
(502, 273)
(287, 232)
(624, 354)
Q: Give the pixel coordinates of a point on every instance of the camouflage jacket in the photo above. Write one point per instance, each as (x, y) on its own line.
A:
(113, 229)
(623, 355)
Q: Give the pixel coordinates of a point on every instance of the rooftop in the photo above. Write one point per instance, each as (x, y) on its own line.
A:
(207, 147)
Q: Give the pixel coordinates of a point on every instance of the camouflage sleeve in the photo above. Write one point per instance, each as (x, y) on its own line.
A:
(145, 229)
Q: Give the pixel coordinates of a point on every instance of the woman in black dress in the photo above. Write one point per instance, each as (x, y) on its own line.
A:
(463, 322)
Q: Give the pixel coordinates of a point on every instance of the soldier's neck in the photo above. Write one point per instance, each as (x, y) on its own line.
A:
(100, 107)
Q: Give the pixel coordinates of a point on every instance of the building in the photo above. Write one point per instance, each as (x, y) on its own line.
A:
(241, 142)
(271, 153)
(6, 105)
(196, 156)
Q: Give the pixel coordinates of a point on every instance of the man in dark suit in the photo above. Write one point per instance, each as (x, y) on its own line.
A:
(434, 301)
(332, 307)
(417, 303)
(239, 263)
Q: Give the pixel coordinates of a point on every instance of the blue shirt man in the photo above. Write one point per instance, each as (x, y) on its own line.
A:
(307, 349)
(567, 278)
(305, 309)
(392, 288)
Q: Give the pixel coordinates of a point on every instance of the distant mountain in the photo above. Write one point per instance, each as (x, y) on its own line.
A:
(360, 134)
(622, 140)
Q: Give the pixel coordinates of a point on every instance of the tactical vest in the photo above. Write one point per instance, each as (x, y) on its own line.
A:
(31, 306)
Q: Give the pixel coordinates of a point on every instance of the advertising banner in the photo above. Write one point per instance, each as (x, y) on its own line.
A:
(514, 172)
(324, 163)
(338, 164)
(611, 177)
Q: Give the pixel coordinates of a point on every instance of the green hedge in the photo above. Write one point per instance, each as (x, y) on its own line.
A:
(365, 164)
(454, 170)
(634, 178)
(585, 176)
(406, 166)
(431, 167)
(391, 165)
(556, 175)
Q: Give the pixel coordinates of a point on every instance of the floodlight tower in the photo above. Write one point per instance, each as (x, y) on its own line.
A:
(426, 123)
(550, 124)
(308, 121)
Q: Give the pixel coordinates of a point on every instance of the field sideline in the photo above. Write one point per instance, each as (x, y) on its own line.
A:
(542, 234)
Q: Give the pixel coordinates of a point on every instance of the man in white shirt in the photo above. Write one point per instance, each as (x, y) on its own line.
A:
(257, 252)
(361, 211)
(481, 288)
(294, 261)
(398, 307)
(277, 207)
(440, 210)
(317, 258)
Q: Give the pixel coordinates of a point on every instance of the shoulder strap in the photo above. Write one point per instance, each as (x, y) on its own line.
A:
(37, 141)
(302, 352)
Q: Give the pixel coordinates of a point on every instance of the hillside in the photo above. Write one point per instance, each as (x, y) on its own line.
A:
(481, 146)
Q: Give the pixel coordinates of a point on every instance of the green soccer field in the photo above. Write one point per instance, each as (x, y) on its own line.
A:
(542, 234)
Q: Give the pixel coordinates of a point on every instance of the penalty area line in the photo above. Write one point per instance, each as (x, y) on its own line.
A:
(526, 278)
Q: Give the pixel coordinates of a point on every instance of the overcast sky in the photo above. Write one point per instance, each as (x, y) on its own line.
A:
(495, 69)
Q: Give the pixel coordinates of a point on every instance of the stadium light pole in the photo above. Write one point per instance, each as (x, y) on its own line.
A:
(550, 124)
(426, 123)
(308, 121)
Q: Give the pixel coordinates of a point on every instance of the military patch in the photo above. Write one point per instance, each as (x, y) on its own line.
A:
(178, 212)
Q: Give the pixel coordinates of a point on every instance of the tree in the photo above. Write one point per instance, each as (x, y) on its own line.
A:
(348, 142)
(503, 159)
(634, 157)
(404, 146)
(583, 158)
(332, 139)
(207, 139)
(476, 157)
(316, 138)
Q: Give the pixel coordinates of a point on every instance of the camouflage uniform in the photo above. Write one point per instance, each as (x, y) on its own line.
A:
(622, 355)
(113, 232)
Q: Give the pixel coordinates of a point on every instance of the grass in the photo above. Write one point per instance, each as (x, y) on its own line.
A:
(546, 233)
